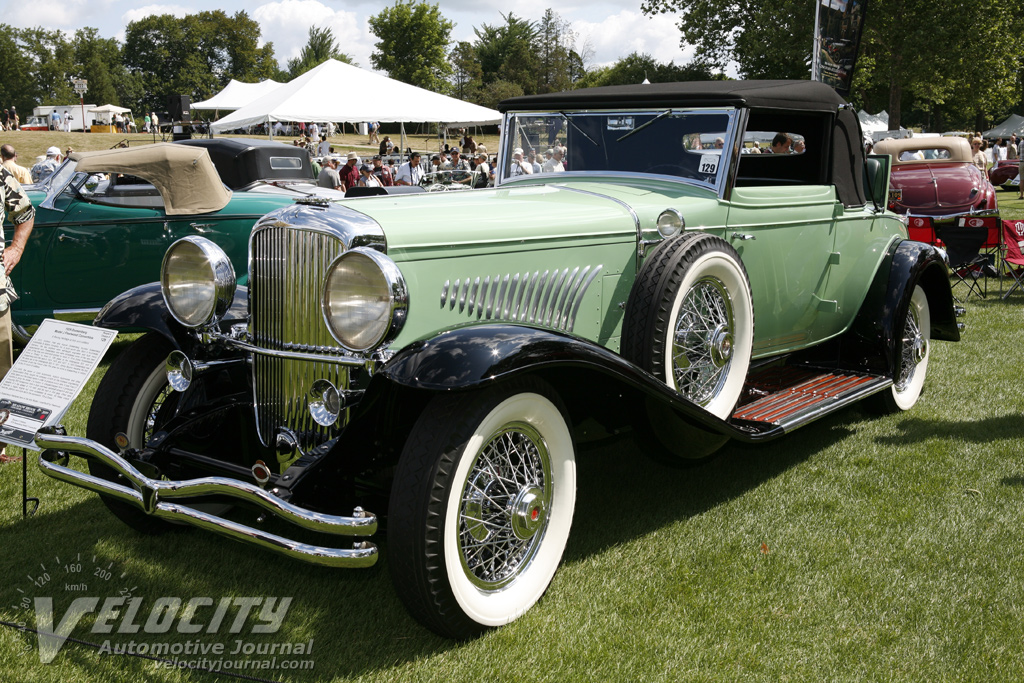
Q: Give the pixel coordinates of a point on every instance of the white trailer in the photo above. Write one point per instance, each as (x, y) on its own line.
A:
(74, 109)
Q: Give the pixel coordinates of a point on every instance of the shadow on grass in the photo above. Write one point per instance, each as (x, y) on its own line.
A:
(623, 494)
(916, 430)
(355, 619)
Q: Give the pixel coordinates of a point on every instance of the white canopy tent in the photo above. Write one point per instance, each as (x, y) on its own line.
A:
(106, 113)
(336, 92)
(236, 95)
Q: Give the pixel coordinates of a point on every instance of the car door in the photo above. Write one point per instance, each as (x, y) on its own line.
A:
(100, 250)
(785, 235)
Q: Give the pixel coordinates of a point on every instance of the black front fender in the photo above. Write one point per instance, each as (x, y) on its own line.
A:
(143, 308)
(475, 357)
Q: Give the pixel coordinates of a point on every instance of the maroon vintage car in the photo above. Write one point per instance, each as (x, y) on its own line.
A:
(1004, 174)
(934, 182)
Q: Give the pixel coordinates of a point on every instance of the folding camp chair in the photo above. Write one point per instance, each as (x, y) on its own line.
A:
(920, 229)
(963, 247)
(1013, 256)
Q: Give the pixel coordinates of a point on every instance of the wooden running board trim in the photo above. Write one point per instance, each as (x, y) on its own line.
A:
(810, 399)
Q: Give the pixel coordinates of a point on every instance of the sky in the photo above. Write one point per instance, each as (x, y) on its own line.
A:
(610, 29)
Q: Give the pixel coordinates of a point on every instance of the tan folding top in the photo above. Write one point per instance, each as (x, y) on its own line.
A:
(958, 149)
(184, 175)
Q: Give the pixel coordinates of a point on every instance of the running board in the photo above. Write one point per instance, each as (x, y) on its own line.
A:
(814, 394)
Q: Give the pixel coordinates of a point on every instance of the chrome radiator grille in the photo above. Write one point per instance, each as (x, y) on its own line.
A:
(286, 272)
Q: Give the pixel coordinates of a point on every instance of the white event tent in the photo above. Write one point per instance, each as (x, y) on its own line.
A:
(336, 92)
(236, 95)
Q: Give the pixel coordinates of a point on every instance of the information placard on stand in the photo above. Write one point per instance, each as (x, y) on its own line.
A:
(49, 374)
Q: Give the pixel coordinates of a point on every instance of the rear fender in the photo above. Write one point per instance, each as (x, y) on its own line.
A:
(876, 331)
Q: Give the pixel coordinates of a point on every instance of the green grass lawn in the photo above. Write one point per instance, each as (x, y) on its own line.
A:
(856, 549)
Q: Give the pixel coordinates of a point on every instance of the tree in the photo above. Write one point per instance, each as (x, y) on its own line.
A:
(498, 90)
(637, 67)
(51, 67)
(98, 60)
(413, 44)
(508, 52)
(976, 66)
(466, 72)
(320, 47)
(195, 55)
(15, 74)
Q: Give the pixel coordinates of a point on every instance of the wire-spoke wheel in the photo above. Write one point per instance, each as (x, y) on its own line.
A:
(690, 322)
(481, 507)
(913, 347)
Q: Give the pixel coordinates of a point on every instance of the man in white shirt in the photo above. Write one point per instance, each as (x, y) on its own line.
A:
(554, 164)
(519, 166)
(483, 170)
(410, 172)
(324, 148)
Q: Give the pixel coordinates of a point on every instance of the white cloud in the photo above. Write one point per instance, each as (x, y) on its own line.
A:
(620, 34)
(287, 25)
(64, 15)
(156, 10)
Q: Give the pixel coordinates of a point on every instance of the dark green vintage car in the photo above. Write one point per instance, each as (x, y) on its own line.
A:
(439, 357)
(105, 219)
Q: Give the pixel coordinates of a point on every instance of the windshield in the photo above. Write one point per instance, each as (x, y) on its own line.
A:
(672, 142)
(56, 183)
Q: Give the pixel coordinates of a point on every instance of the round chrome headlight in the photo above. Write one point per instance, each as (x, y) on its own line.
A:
(670, 222)
(197, 281)
(364, 299)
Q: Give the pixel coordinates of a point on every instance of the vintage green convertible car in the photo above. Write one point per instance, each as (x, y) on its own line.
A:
(438, 357)
(105, 219)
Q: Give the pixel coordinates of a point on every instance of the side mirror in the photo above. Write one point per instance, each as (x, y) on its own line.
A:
(876, 178)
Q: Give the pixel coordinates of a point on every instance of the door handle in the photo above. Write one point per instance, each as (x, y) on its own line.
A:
(67, 238)
(200, 227)
(741, 236)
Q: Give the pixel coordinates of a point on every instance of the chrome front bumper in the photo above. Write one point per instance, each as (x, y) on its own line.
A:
(157, 497)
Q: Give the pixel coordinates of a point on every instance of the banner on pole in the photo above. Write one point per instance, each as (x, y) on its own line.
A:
(837, 31)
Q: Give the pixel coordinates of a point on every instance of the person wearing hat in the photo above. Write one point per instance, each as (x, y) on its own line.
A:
(45, 168)
(483, 170)
(519, 166)
(382, 172)
(366, 177)
(350, 171)
(329, 176)
(462, 173)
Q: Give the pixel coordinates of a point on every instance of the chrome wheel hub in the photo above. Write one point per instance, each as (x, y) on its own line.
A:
(721, 346)
(528, 512)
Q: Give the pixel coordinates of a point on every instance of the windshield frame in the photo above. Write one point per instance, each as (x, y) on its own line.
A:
(728, 153)
(58, 182)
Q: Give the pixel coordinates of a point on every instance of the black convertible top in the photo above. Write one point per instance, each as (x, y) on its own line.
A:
(244, 161)
(792, 95)
(775, 105)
